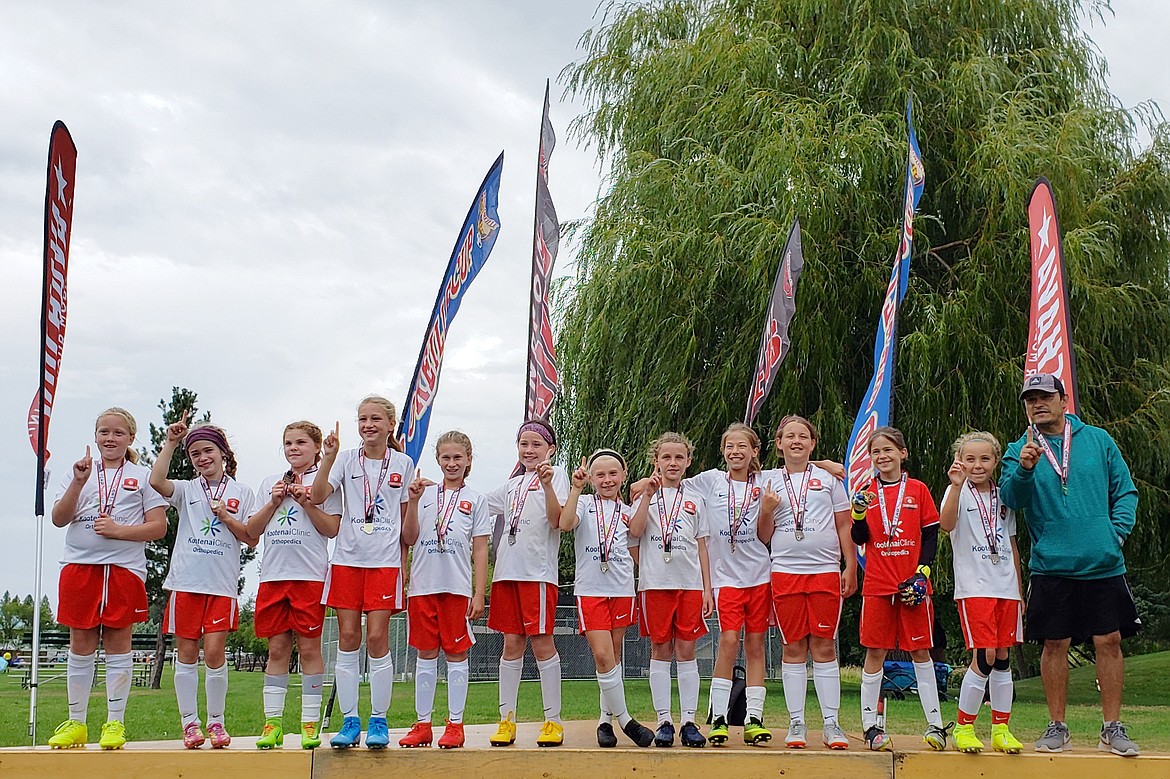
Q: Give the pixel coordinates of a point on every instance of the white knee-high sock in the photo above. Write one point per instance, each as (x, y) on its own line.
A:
(795, 680)
(187, 691)
(215, 684)
(1002, 688)
(311, 697)
(606, 716)
(510, 671)
(928, 692)
(755, 701)
(688, 690)
(720, 697)
(550, 686)
(971, 695)
(871, 690)
(381, 684)
(275, 691)
(345, 676)
(79, 682)
(119, 675)
(458, 675)
(426, 676)
(827, 681)
(660, 688)
(613, 693)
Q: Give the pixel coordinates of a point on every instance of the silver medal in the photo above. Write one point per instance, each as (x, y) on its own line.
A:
(666, 557)
(604, 567)
(799, 535)
(995, 558)
(512, 539)
(216, 505)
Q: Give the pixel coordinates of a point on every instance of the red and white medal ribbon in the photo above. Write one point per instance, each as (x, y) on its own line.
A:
(606, 531)
(370, 497)
(518, 501)
(444, 512)
(799, 505)
(106, 499)
(216, 500)
(1061, 467)
(989, 517)
(889, 525)
(734, 518)
(668, 523)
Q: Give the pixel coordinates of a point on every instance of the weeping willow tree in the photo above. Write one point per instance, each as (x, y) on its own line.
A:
(720, 121)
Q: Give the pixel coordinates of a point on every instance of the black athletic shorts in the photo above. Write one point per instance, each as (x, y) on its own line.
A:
(1079, 609)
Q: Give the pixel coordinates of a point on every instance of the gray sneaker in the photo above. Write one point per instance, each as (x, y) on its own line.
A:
(834, 737)
(797, 737)
(1115, 740)
(1056, 738)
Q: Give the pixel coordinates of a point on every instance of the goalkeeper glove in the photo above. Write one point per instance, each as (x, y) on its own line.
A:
(913, 591)
(862, 500)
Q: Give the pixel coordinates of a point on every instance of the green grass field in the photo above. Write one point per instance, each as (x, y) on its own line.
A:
(152, 714)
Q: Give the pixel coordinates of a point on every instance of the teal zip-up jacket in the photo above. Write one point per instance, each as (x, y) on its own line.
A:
(1078, 535)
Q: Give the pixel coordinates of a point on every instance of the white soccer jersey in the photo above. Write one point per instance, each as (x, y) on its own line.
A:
(533, 556)
(819, 549)
(293, 548)
(747, 562)
(682, 572)
(207, 556)
(133, 497)
(976, 576)
(462, 516)
(373, 545)
(617, 580)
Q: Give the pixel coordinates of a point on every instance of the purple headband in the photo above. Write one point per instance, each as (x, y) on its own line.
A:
(206, 433)
(539, 427)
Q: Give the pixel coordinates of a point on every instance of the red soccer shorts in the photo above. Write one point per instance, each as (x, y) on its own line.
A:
(594, 613)
(106, 595)
(364, 589)
(192, 614)
(669, 614)
(807, 605)
(990, 623)
(289, 605)
(439, 621)
(749, 609)
(886, 623)
(523, 608)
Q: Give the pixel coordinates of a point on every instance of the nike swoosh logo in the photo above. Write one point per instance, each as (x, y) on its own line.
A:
(141, 611)
(621, 616)
(217, 621)
(314, 627)
(917, 638)
(193, 502)
(387, 597)
(356, 477)
(822, 626)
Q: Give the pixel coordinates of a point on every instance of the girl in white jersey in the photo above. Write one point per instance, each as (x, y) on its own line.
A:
(453, 526)
(604, 583)
(809, 535)
(205, 569)
(292, 579)
(524, 582)
(674, 583)
(987, 587)
(111, 512)
(736, 500)
(366, 572)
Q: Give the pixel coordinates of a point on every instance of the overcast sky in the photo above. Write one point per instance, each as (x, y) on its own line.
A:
(267, 194)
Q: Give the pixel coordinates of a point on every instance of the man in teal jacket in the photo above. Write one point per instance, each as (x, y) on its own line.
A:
(1080, 505)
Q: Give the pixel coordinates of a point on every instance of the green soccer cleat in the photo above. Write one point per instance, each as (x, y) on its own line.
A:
(113, 735)
(966, 740)
(70, 734)
(718, 734)
(754, 732)
(1002, 740)
(310, 735)
(272, 737)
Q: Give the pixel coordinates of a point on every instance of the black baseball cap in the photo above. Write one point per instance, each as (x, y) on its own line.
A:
(1042, 382)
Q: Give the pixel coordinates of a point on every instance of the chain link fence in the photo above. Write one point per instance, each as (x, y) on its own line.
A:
(576, 659)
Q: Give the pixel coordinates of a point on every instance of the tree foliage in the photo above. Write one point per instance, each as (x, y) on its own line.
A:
(720, 121)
